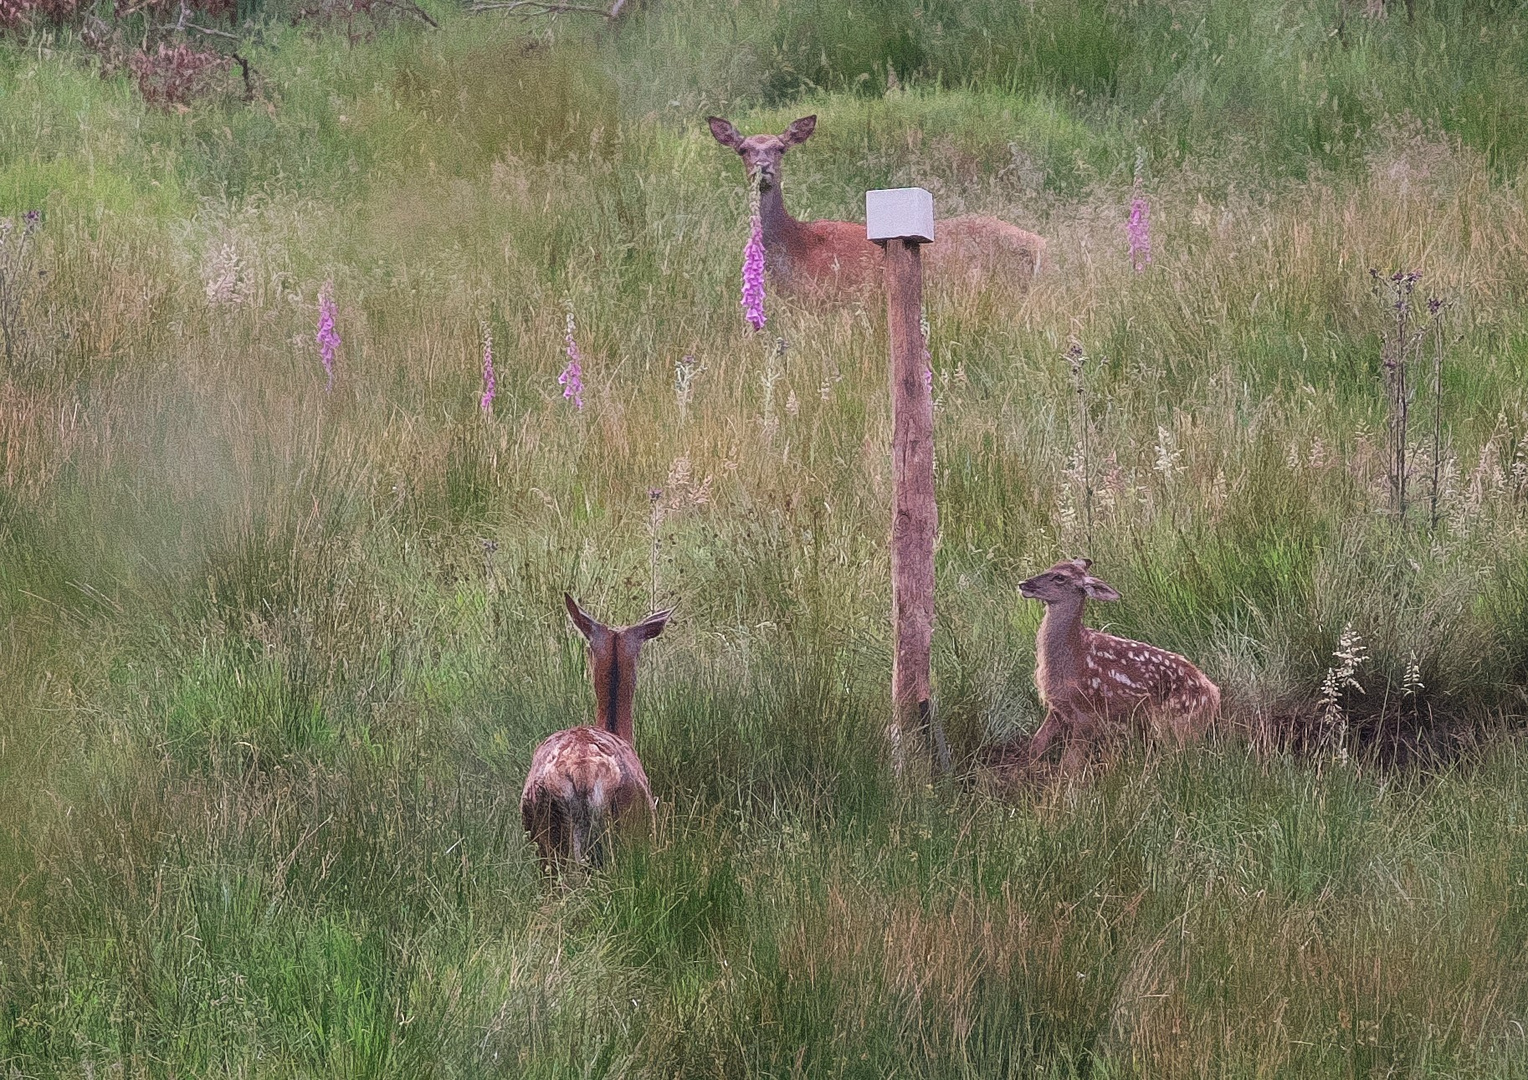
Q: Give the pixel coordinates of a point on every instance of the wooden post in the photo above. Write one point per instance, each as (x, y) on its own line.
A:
(903, 220)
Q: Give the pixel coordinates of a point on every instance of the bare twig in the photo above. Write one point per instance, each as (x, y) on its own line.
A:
(530, 8)
(193, 28)
(415, 10)
(249, 86)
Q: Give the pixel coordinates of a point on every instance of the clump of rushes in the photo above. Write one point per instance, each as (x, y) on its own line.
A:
(753, 265)
(572, 378)
(328, 337)
(1138, 230)
(225, 281)
(490, 383)
(16, 277)
(773, 373)
(685, 372)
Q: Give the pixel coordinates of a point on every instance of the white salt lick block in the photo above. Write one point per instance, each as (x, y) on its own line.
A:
(900, 214)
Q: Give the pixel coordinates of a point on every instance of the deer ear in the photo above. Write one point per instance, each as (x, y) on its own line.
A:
(723, 132)
(1099, 590)
(651, 626)
(800, 130)
(580, 617)
(1082, 564)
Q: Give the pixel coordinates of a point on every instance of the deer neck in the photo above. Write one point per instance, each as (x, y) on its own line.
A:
(1059, 649)
(615, 686)
(775, 221)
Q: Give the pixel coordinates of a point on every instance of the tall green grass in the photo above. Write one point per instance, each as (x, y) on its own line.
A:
(273, 661)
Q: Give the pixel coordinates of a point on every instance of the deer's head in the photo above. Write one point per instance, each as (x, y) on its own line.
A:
(613, 655)
(762, 154)
(609, 644)
(1067, 580)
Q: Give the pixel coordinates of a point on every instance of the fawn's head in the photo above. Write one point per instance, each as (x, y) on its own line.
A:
(762, 154)
(1067, 580)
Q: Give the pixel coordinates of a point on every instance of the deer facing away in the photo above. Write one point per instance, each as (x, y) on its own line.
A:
(1095, 684)
(585, 780)
(835, 256)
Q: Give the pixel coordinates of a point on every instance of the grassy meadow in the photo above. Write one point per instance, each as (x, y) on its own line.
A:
(274, 658)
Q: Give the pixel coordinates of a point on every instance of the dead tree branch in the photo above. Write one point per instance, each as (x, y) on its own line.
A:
(530, 8)
(249, 86)
(411, 8)
(210, 31)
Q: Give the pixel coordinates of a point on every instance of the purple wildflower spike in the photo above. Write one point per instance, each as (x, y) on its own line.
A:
(327, 337)
(490, 384)
(1138, 229)
(753, 276)
(572, 378)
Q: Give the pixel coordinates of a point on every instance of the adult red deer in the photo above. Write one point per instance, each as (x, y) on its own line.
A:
(1096, 684)
(586, 780)
(835, 256)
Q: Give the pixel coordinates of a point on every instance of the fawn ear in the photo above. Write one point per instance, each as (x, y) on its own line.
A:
(724, 132)
(651, 626)
(1099, 590)
(1082, 564)
(800, 130)
(580, 617)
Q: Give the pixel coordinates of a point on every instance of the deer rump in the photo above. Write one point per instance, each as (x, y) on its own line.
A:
(582, 783)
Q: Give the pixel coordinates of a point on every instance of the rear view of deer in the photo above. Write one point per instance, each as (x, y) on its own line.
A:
(585, 780)
(1095, 684)
(833, 256)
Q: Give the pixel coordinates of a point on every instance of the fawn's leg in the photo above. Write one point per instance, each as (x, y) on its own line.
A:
(1041, 740)
(1080, 735)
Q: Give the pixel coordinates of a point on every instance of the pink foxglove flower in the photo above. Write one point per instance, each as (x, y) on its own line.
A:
(753, 266)
(490, 384)
(572, 378)
(327, 337)
(753, 278)
(1138, 229)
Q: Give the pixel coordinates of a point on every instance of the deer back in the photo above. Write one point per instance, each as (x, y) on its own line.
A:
(825, 258)
(1120, 681)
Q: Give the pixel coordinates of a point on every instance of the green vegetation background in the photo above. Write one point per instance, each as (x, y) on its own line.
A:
(273, 661)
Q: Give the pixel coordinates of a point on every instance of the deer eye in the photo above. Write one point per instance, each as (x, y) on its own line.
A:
(1058, 579)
